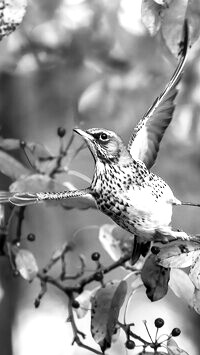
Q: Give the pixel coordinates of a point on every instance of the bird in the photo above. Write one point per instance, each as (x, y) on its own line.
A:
(123, 186)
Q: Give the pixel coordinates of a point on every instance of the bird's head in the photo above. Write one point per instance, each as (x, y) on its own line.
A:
(105, 145)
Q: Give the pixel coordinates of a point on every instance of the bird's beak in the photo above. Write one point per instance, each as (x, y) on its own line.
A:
(87, 137)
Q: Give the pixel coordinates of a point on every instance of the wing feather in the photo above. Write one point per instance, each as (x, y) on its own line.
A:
(145, 140)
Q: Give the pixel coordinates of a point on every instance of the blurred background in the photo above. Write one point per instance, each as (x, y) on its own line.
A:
(91, 63)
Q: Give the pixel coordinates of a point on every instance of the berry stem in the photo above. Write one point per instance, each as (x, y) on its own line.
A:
(145, 324)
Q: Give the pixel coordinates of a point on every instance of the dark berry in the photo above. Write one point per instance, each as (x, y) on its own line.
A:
(176, 332)
(61, 132)
(130, 344)
(75, 304)
(31, 237)
(159, 322)
(98, 276)
(22, 144)
(95, 256)
(155, 250)
(37, 303)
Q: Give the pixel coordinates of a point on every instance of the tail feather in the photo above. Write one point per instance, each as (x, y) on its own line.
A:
(190, 204)
(139, 248)
(18, 199)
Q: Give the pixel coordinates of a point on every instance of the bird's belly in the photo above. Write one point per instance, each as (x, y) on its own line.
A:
(139, 212)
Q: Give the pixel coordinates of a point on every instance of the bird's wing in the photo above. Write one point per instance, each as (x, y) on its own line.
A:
(145, 140)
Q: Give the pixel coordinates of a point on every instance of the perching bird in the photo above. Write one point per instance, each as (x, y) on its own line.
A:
(122, 186)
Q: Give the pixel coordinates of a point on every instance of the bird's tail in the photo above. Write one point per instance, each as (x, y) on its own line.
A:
(18, 199)
(139, 248)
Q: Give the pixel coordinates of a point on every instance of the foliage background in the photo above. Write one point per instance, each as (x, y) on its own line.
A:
(93, 64)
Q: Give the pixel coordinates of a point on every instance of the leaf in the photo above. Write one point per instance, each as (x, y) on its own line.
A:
(106, 305)
(11, 14)
(84, 299)
(196, 301)
(2, 216)
(115, 240)
(163, 2)
(193, 14)
(36, 183)
(172, 24)
(11, 167)
(9, 143)
(181, 285)
(173, 348)
(38, 151)
(178, 254)
(57, 254)
(155, 279)
(26, 264)
(151, 15)
(82, 203)
(194, 273)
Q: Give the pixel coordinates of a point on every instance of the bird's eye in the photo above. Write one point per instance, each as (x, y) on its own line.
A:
(103, 136)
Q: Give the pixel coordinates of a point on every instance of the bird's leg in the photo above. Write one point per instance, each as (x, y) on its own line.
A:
(166, 234)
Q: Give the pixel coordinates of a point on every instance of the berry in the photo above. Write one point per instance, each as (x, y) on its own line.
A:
(37, 303)
(155, 250)
(176, 332)
(31, 237)
(130, 344)
(75, 304)
(98, 276)
(61, 132)
(159, 322)
(95, 256)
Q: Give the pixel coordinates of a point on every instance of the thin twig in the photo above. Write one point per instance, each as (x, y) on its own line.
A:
(77, 332)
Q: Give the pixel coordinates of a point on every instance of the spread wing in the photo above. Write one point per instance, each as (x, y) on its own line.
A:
(145, 140)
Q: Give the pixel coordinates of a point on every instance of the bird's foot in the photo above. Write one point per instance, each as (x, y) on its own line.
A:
(167, 235)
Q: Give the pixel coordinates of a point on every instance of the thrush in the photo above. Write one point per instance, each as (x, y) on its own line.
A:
(123, 186)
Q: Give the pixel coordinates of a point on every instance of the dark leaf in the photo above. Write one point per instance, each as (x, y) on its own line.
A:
(12, 167)
(11, 14)
(106, 305)
(155, 279)
(26, 264)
